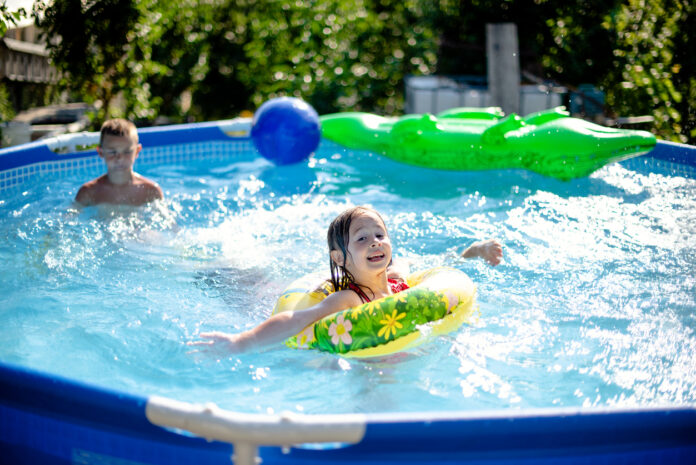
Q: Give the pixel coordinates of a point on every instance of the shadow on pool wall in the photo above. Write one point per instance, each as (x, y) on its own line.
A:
(49, 419)
(494, 184)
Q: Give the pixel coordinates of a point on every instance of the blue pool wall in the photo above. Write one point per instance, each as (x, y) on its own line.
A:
(166, 144)
(49, 419)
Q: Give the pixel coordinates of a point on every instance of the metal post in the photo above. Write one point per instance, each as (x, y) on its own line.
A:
(245, 454)
(246, 431)
(502, 53)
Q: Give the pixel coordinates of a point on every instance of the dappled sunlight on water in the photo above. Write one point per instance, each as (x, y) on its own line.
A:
(594, 304)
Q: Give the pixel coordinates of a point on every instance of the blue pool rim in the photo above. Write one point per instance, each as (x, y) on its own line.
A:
(50, 419)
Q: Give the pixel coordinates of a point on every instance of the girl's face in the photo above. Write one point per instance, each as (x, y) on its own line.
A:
(369, 247)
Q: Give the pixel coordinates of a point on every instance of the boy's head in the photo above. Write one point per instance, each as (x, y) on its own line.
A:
(119, 147)
(118, 127)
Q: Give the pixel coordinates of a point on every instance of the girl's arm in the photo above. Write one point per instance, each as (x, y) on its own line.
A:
(280, 326)
(490, 250)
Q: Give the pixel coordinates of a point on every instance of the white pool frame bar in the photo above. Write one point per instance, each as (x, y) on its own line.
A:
(50, 419)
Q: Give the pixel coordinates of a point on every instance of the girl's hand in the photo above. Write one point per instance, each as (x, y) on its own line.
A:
(217, 341)
(490, 250)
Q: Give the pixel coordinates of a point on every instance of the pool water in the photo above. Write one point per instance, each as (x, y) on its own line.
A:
(594, 305)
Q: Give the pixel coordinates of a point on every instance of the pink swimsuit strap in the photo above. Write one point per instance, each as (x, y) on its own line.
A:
(395, 287)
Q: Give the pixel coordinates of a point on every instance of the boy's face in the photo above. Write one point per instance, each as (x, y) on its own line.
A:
(119, 152)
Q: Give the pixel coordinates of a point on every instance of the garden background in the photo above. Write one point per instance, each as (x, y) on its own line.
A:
(198, 60)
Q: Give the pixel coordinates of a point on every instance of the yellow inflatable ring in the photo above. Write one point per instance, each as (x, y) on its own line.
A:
(438, 301)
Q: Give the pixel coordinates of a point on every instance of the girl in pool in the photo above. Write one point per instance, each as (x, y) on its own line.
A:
(361, 271)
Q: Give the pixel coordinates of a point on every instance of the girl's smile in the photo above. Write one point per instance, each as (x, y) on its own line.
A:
(376, 257)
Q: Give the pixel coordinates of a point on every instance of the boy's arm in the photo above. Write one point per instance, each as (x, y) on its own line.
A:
(490, 250)
(84, 196)
(278, 327)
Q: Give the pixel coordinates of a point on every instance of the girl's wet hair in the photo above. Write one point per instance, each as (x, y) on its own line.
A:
(338, 237)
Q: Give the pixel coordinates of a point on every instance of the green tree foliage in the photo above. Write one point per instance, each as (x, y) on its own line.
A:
(563, 41)
(9, 18)
(211, 59)
(227, 56)
(6, 110)
(640, 52)
(233, 55)
(338, 54)
(167, 57)
(88, 42)
(654, 69)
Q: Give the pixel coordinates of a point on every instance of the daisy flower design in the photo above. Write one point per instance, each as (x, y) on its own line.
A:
(340, 331)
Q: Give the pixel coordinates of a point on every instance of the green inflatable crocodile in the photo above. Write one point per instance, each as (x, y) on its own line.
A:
(549, 142)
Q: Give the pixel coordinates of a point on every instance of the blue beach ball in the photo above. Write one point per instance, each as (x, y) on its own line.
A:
(285, 130)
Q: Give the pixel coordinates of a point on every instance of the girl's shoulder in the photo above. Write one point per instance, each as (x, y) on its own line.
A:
(345, 298)
(333, 303)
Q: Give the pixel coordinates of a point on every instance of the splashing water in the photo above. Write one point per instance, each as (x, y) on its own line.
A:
(594, 305)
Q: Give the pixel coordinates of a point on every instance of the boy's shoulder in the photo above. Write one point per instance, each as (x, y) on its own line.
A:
(100, 190)
(150, 189)
(89, 191)
(143, 181)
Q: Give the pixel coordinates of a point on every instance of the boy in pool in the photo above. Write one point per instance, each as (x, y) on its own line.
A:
(119, 147)
(360, 257)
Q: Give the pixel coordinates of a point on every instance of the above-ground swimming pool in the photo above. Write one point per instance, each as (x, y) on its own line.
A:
(582, 349)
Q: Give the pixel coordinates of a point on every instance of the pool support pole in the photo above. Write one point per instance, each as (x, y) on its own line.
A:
(247, 431)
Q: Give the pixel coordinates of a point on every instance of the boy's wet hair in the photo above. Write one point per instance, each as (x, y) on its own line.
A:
(338, 237)
(118, 127)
